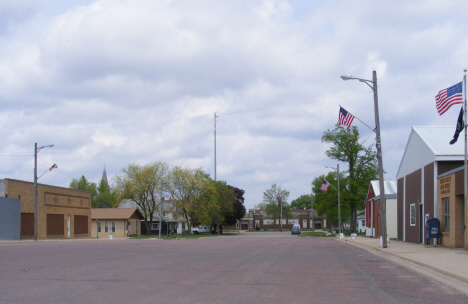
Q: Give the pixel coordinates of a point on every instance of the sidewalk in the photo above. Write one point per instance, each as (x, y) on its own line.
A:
(450, 262)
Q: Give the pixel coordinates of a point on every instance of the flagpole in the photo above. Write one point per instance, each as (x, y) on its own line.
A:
(466, 137)
(359, 119)
(330, 184)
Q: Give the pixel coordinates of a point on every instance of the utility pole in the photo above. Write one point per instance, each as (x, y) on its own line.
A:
(215, 115)
(383, 204)
(35, 191)
(339, 206)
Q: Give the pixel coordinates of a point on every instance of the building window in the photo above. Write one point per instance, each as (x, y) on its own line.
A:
(113, 227)
(363, 223)
(251, 224)
(237, 224)
(99, 227)
(446, 206)
(155, 226)
(106, 228)
(412, 210)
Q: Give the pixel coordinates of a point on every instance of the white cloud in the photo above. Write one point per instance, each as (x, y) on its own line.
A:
(118, 82)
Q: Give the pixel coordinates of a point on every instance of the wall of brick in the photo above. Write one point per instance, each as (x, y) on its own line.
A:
(446, 189)
(51, 200)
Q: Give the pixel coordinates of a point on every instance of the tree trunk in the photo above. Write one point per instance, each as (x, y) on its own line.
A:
(220, 229)
(189, 227)
(353, 219)
(147, 227)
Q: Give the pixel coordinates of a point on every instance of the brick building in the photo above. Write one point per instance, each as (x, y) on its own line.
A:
(61, 212)
(307, 219)
(451, 210)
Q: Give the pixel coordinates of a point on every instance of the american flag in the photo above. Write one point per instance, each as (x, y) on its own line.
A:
(53, 167)
(173, 207)
(449, 97)
(325, 185)
(345, 118)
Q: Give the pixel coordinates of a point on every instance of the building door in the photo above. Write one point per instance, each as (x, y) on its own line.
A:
(68, 225)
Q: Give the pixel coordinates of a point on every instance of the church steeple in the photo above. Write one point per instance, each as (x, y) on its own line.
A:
(104, 176)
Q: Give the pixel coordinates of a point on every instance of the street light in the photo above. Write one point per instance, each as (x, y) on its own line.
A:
(383, 205)
(36, 150)
(337, 169)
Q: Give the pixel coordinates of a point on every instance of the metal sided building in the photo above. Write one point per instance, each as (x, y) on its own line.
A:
(427, 155)
(373, 218)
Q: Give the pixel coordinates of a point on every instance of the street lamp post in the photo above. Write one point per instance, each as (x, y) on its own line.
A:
(383, 205)
(215, 115)
(337, 169)
(36, 150)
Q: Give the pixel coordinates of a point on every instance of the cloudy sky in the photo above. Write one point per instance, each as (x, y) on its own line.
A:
(116, 82)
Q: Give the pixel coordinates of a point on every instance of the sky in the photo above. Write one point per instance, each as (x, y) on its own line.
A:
(115, 82)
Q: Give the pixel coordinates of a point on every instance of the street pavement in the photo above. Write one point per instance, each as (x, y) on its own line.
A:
(268, 267)
(449, 262)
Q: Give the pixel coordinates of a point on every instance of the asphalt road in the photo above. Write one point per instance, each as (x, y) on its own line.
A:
(253, 268)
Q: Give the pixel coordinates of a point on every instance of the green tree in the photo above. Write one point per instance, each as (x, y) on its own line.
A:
(105, 197)
(326, 202)
(83, 184)
(276, 200)
(143, 185)
(226, 197)
(362, 166)
(304, 201)
(194, 195)
(238, 207)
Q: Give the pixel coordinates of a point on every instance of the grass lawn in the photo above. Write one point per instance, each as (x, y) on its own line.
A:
(316, 234)
(181, 236)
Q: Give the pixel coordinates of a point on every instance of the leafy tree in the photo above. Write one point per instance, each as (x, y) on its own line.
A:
(83, 184)
(194, 195)
(105, 197)
(304, 201)
(101, 196)
(226, 198)
(276, 200)
(143, 185)
(362, 166)
(238, 208)
(326, 202)
(260, 206)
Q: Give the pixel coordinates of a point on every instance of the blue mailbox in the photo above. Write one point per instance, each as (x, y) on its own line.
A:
(432, 229)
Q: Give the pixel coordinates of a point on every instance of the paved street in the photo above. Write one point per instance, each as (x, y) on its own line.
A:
(251, 268)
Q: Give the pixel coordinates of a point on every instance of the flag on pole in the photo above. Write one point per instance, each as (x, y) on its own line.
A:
(345, 118)
(459, 128)
(325, 185)
(173, 207)
(53, 167)
(449, 97)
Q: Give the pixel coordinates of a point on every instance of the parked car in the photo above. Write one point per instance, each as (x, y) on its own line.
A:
(296, 229)
(200, 229)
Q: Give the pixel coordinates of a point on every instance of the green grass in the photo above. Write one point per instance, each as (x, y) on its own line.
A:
(181, 236)
(315, 234)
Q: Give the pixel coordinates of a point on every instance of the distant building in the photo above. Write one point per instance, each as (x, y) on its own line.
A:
(305, 218)
(171, 221)
(361, 221)
(373, 218)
